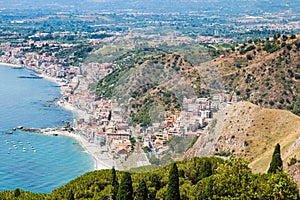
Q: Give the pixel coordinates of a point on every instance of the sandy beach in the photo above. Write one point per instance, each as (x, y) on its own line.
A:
(101, 159)
(10, 65)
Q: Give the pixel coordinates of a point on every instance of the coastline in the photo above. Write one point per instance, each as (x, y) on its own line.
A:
(10, 65)
(92, 149)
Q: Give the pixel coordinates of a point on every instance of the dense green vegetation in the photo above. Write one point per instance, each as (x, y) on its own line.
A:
(173, 192)
(148, 77)
(199, 178)
(266, 72)
(125, 191)
(124, 63)
(115, 184)
(142, 191)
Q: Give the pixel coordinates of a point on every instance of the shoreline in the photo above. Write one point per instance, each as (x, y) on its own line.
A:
(92, 149)
(10, 65)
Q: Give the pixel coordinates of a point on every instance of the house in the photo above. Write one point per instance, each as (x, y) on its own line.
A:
(117, 136)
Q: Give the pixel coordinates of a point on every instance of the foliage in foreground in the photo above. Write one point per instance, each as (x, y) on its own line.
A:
(199, 178)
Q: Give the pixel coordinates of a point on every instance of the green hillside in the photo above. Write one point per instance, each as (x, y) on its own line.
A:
(265, 72)
(147, 77)
(199, 178)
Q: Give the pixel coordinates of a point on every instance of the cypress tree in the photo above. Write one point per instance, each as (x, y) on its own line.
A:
(155, 183)
(114, 183)
(125, 190)
(173, 184)
(17, 192)
(142, 191)
(276, 162)
(71, 195)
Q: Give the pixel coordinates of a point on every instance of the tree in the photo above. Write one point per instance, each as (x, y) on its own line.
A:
(17, 192)
(155, 184)
(276, 162)
(71, 195)
(293, 36)
(203, 189)
(173, 184)
(109, 116)
(125, 190)
(232, 180)
(114, 183)
(142, 191)
(205, 169)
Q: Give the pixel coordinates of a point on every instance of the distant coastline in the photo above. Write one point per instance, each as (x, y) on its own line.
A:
(90, 148)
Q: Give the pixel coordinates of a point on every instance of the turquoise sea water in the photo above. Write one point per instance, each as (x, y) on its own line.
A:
(31, 161)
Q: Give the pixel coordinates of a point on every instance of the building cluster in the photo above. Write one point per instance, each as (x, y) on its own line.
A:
(213, 40)
(48, 63)
(104, 126)
(195, 115)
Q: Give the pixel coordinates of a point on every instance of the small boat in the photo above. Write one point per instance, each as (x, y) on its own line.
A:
(19, 127)
(24, 149)
(55, 134)
(9, 132)
(14, 129)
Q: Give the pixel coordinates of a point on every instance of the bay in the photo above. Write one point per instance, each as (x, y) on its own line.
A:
(29, 161)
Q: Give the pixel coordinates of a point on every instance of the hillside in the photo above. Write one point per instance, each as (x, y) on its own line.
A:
(267, 74)
(231, 180)
(264, 72)
(147, 77)
(249, 131)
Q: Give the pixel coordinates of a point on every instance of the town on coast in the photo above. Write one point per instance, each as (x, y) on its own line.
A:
(98, 124)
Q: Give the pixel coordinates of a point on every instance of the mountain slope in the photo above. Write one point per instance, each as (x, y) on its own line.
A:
(266, 73)
(248, 131)
(147, 77)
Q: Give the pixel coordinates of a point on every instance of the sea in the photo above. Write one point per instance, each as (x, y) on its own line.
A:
(30, 161)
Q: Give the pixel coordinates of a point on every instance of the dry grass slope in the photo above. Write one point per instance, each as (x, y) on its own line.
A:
(252, 132)
(249, 131)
